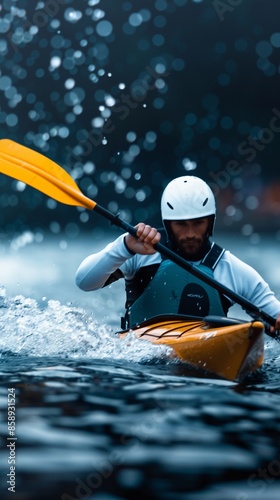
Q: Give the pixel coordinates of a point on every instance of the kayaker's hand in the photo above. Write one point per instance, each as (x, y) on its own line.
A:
(147, 237)
(277, 325)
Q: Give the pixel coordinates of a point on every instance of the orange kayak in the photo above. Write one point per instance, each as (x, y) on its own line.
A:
(224, 347)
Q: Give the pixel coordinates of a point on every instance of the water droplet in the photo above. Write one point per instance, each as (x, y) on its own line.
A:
(135, 19)
(247, 229)
(151, 136)
(189, 164)
(252, 202)
(63, 244)
(104, 28)
(55, 62)
(20, 186)
(72, 15)
(97, 122)
(131, 136)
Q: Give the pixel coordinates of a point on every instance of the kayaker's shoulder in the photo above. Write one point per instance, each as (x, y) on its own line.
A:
(235, 262)
(228, 256)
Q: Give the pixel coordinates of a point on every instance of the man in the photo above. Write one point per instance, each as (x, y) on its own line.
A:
(157, 286)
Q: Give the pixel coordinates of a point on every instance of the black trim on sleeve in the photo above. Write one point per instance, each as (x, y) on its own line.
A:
(128, 249)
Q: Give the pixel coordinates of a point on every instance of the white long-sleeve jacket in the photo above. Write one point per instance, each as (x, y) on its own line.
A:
(232, 272)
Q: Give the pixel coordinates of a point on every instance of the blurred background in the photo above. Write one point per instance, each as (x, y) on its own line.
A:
(125, 95)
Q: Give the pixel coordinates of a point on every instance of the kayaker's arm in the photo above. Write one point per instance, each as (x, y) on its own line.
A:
(97, 269)
(115, 261)
(248, 283)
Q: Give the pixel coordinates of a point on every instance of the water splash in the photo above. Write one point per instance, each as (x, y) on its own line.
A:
(65, 331)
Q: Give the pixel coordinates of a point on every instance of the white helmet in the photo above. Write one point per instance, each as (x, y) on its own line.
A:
(187, 197)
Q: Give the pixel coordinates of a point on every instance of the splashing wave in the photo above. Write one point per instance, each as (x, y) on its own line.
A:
(64, 331)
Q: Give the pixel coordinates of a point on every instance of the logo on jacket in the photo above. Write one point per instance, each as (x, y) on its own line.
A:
(194, 301)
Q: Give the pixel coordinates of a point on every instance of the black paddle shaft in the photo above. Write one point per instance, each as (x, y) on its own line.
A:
(180, 261)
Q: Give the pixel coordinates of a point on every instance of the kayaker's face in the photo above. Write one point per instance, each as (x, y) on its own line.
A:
(190, 235)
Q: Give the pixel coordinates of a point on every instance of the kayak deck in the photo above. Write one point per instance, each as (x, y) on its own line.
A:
(230, 350)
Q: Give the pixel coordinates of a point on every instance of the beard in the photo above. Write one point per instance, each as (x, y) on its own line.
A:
(193, 249)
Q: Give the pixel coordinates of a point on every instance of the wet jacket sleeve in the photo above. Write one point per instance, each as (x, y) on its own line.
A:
(102, 268)
(247, 282)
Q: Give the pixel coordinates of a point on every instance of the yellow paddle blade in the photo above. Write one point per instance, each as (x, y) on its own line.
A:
(41, 173)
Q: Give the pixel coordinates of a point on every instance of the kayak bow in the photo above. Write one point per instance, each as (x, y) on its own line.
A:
(230, 350)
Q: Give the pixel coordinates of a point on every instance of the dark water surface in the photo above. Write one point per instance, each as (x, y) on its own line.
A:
(108, 419)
